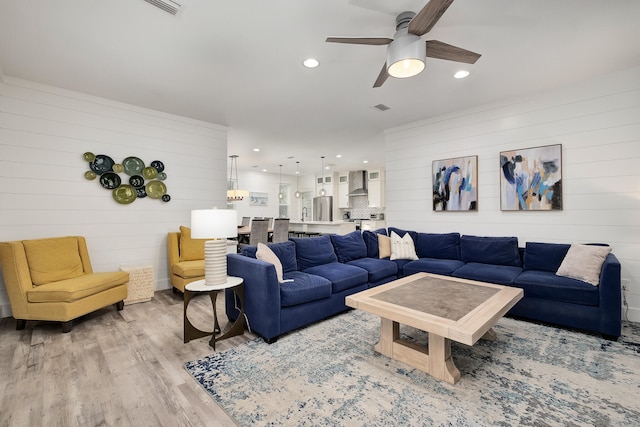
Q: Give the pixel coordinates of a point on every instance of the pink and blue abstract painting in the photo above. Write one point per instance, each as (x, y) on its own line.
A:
(531, 179)
(455, 184)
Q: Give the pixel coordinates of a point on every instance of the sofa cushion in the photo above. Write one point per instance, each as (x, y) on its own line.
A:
(349, 246)
(546, 285)
(300, 288)
(188, 269)
(436, 245)
(371, 240)
(384, 246)
(544, 256)
(401, 263)
(311, 252)
(51, 260)
(584, 262)
(263, 253)
(432, 265)
(490, 273)
(342, 276)
(74, 289)
(490, 250)
(285, 251)
(190, 249)
(378, 269)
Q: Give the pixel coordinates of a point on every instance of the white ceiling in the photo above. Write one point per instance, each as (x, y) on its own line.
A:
(238, 63)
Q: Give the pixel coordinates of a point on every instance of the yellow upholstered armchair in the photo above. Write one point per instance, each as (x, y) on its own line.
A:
(52, 280)
(186, 258)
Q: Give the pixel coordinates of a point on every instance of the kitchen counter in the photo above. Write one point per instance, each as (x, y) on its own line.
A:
(323, 227)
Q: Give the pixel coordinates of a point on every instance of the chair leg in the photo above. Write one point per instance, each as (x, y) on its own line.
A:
(66, 326)
(20, 324)
(120, 305)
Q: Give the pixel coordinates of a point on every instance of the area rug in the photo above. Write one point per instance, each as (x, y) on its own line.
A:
(329, 375)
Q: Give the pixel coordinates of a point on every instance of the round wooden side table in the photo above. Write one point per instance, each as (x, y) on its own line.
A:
(236, 284)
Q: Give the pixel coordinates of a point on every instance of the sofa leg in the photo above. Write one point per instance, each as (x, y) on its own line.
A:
(20, 324)
(610, 337)
(120, 305)
(270, 340)
(66, 326)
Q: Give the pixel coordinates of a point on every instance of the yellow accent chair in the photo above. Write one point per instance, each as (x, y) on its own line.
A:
(52, 280)
(186, 258)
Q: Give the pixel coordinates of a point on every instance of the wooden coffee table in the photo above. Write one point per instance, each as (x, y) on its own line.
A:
(447, 307)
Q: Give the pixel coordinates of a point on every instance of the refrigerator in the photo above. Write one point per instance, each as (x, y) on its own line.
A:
(323, 208)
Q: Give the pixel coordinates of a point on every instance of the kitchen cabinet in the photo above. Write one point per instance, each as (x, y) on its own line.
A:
(375, 185)
(372, 225)
(327, 180)
(343, 190)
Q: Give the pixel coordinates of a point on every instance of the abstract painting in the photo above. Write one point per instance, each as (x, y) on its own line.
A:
(455, 184)
(531, 179)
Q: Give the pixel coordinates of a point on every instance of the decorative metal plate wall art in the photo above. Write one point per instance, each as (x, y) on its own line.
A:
(143, 180)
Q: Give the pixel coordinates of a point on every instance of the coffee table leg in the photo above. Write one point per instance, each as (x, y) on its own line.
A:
(440, 363)
(389, 333)
(490, 335)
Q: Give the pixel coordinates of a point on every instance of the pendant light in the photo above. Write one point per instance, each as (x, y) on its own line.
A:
(322, 191)
(280, 194)
(298, 194)
(235, 194)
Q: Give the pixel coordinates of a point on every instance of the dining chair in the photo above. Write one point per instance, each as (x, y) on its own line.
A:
(280, 230)
(259, 232)
(246, 221)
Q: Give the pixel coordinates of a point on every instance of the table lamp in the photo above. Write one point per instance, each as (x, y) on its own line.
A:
(215, 224)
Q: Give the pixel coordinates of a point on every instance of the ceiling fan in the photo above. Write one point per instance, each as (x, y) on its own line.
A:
(406, 52)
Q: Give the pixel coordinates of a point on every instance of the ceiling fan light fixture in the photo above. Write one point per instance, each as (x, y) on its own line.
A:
(406, 56)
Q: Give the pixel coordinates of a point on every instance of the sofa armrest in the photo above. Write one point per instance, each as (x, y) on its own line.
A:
(261, 293)
(611, 296)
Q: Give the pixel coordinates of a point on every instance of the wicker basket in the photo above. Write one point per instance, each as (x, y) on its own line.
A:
(141, 283)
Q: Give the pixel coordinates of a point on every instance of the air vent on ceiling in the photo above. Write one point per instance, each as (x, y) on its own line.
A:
(166, 5)
(382, 107)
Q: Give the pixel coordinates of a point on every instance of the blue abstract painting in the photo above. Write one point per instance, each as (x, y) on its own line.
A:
(455, 184)
(531, 179)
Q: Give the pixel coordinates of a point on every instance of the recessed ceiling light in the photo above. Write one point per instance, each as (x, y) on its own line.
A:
(461, 74)
(338, 155)
(365, 161)
(264, 170)
(310, 63)
(256, 149)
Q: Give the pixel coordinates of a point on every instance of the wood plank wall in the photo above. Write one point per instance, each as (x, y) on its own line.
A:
(43, 133)
(598, 124)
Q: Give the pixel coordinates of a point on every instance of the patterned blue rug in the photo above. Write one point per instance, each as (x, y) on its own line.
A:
(329, 375)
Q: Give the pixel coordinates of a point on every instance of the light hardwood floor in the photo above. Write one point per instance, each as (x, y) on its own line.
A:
(113, 369)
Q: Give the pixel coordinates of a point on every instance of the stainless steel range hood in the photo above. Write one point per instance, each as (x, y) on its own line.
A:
(358, 183)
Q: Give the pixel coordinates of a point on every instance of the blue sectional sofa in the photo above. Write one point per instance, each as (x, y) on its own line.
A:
(320, 272)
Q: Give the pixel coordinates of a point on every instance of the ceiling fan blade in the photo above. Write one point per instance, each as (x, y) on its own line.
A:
(437, 49)
(427, 17)
(378, 41)
(382, 77)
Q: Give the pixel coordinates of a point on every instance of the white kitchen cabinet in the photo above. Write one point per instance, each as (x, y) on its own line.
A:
(372, 225)
(375, 184)
(343, 190)
(327, 180)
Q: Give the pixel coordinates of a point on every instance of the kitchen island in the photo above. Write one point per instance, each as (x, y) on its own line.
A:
(322, 227)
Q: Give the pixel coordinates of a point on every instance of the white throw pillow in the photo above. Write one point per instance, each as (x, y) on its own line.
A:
(402, 247)
(584, 262)
(264, 253)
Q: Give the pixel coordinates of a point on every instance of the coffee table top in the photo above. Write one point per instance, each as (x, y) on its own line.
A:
(458, 309)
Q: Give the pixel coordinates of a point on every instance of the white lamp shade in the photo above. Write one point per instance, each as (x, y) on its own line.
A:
(214, 223)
